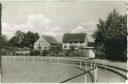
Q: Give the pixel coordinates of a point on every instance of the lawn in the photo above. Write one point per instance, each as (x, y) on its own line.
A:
(44, 72)
(24, 72)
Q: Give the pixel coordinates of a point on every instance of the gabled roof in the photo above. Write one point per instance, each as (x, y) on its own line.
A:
(74, 37)
(50, 39)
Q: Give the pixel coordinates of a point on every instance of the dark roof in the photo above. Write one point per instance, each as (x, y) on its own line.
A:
(50, 39)
(74, 37)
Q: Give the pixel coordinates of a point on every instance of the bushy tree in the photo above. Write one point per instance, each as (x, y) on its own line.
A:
(30, 39)
(111, 37)
(16, 41)
(22, 39)
(4, 41)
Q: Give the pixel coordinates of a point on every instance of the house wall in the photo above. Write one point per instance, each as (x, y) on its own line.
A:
(76, 45)
(55, 46)
(42, 43)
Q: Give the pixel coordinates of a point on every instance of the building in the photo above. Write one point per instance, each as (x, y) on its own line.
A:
(77, 40)
(90, 44)
(46, 43)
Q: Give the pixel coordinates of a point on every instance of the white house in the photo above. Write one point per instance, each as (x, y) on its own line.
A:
(45, 43)
(77, 40)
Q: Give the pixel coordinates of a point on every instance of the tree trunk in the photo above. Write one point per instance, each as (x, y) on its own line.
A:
(0, 38)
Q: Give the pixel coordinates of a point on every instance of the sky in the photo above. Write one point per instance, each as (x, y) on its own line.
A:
(56, 18)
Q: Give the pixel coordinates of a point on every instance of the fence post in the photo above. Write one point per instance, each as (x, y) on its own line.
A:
(86, 65)
(91, 65)
(95, 73)
(1, 77)
(50, 60)
(14, 58)
(33, 59)
(5, 58)
(72, 62)
(85, 78)
(41, 59)
(24, 58)
(58, 61)
(80, 64)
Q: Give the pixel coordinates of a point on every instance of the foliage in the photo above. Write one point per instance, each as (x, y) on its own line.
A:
(4, 41)
(74, 52)
(79, 53)
(45, 52)
(8, 51)
(111, 37)
(22, 39)
(30, 39)
(61, 53)
(35, 52)
(17, 40)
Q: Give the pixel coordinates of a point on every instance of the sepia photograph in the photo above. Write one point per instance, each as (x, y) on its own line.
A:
(63, 41)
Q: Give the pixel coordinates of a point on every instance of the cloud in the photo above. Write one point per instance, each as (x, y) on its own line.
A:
(58, 35)
(43, 25)
(55, 29)
(38, 20)
(10, 29)
(88, 28)
(78, 29)
(35, 23)
(54, 34)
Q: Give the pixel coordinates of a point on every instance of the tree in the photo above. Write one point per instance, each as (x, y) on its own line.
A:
(17, 40)
(30, 39)
(4, 41)
(14, 41)
(22, 39)
(111, 37)
(20, 36)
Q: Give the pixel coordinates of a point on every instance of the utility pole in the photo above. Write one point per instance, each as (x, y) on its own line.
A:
(0, 42)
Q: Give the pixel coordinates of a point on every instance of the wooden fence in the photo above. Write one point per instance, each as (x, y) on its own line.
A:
(88, 66)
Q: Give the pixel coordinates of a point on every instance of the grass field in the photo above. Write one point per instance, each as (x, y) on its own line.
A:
(35, 72)
(39, 73)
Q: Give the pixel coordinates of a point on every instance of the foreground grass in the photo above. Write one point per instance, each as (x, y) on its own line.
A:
(38, 73)
(29, 72)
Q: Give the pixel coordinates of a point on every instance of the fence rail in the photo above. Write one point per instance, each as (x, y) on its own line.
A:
(87, 66)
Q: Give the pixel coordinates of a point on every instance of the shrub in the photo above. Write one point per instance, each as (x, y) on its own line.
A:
(35, 52)
(45, 53)
(79, 53)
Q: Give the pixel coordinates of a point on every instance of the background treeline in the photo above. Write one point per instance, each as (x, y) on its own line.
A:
(20, 40)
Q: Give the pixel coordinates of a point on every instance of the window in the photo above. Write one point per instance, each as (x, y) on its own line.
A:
(81, 46)
(75, 46)
(81, 42)
(47, 46)
(65, 46)
(39, 46)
